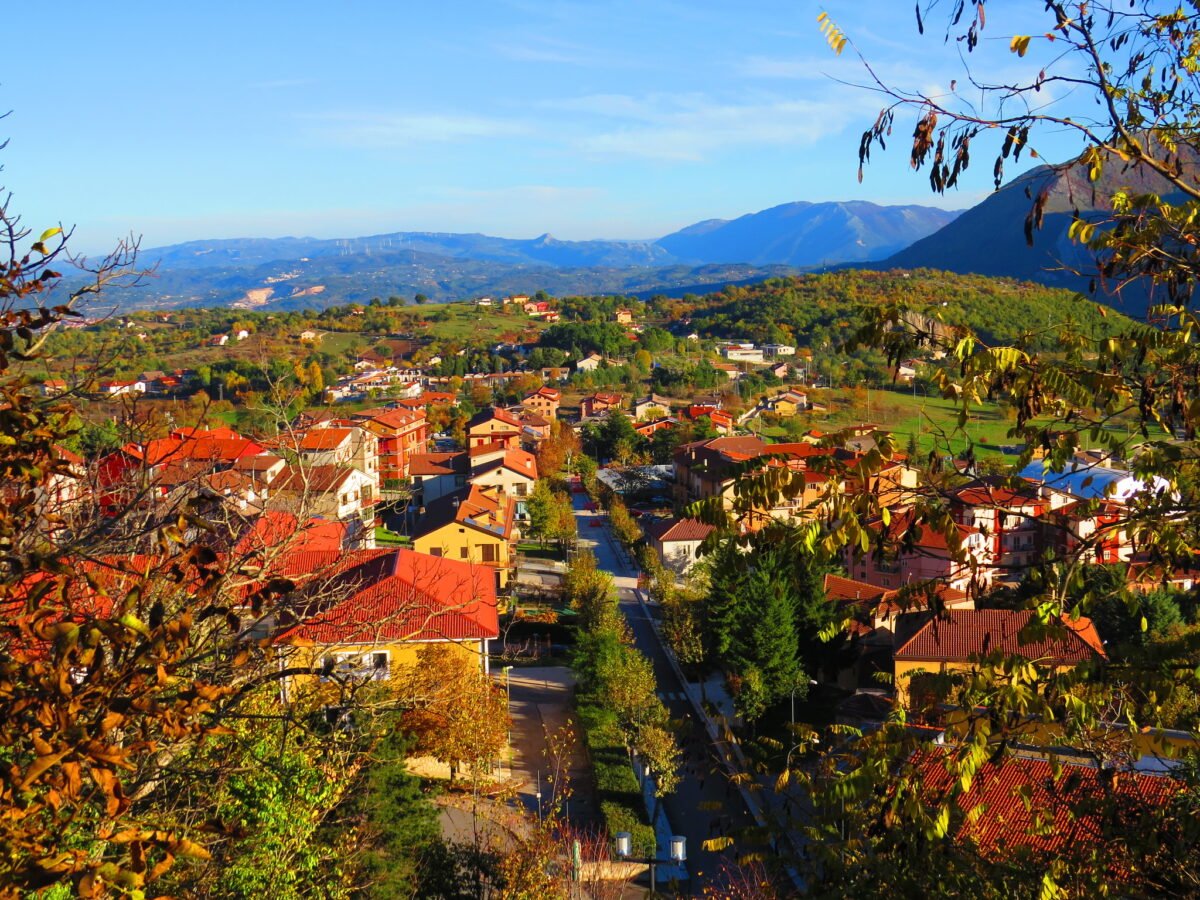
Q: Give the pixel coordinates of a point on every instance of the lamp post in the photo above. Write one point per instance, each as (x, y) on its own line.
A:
(677, 853)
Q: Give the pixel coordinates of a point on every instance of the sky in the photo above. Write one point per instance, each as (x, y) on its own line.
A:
(187, 121)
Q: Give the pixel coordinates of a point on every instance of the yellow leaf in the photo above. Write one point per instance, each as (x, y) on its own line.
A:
(1020, 44)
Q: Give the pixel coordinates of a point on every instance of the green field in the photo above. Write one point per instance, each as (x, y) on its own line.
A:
(904, 412)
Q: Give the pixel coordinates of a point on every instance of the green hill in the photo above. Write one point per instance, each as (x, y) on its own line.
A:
(822, 310)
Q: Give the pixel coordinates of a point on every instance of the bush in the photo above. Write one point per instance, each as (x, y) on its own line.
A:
(617, 788)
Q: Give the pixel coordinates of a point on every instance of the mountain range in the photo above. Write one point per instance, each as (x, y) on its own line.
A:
(291, 272)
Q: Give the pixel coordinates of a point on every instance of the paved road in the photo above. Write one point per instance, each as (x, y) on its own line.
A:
(704, 805)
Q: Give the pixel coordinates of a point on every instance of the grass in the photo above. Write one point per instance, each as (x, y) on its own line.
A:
(384, 536)
(534, 550)
(904, 412)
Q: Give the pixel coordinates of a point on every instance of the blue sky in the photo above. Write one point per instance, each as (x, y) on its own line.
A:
(599, 119)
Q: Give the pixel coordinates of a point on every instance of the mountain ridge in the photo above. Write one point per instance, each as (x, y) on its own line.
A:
(288, 271)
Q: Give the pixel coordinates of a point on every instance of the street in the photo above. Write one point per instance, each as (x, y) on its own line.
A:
(705, 805)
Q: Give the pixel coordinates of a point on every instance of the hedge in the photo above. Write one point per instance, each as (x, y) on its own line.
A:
(617, 788)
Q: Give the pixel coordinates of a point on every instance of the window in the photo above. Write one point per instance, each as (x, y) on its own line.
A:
(372, 666)
(462, 552)
(489, 553)
(435, 551)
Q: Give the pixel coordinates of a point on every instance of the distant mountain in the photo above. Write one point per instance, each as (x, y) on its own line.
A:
(540, 251)
(807, 235)
(318, 282)
(989, 238)
(300, 271)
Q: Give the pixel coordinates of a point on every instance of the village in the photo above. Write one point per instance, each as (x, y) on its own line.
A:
(395, 537)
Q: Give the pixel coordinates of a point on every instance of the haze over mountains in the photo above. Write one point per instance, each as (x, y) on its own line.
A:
(292, 272)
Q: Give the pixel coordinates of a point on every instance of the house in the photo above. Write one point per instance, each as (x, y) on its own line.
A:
(742, 353)
(677, 541)
(483, 301)
(242, 334)
(624, 316)
(534, 429)
(363, 615)
(401, 433)
(339, 444)
(722, 422)
(928, 645)
(118, 388)
(780, 370)
(649, 427)
(914, 551)
(472, 524)
(589, 363)
(651, 406)
(544, 402)
(434, 475)
(512, 474)
(218, 340)
(308, 335)
(786, 404)
(599, 403)
(779, 350)
(494, 425)
(1010, 518)
(52, 387)
(729, 370)
(519, 299)
(328, 492)
(536, 307)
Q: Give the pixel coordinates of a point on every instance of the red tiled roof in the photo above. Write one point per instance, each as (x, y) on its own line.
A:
(963, 633)
(436, 463)
(1022, 803)
(320, 439)
(665, 530)
(314, 479)
(398, 595)
(519, 461)
(839, 588)
(495, 413)
(213, 449)
(485, 449)
(278, 529)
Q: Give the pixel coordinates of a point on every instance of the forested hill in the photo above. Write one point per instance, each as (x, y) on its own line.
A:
(814, 310)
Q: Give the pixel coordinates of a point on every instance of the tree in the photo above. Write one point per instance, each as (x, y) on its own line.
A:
(457, 715)
(540, 509)
(420, 299)
(1131, 99)
(554, 454)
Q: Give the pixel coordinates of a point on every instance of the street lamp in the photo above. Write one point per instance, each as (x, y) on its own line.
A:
(677, 853)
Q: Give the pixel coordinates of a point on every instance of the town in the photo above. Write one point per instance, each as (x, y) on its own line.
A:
(549, 452)
(500, 520)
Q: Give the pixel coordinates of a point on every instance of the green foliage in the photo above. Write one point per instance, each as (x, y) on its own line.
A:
(401, 826)
(823, 311)
(764, 615)
(617, 788)
(582, 338)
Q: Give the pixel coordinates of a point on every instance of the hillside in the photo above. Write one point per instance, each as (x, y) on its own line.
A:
(807, 234)
(821, 310)
(989, 238)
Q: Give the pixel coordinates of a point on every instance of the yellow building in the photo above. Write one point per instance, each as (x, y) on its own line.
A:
(472, 525)
(363, 615)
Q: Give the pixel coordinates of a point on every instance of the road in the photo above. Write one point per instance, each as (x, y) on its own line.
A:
(704, 805)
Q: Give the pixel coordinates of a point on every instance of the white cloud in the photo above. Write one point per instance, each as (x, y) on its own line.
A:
(389, 130)
(691, 127)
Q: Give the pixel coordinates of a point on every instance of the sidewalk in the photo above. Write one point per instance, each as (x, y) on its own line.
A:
(540, 706)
